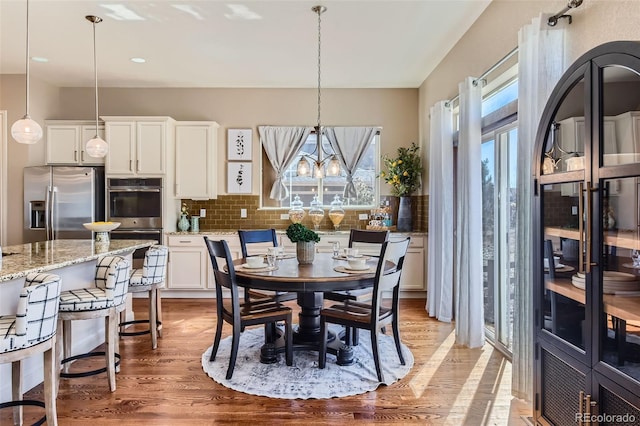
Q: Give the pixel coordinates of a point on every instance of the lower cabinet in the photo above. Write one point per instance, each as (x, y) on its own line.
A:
(190, 268)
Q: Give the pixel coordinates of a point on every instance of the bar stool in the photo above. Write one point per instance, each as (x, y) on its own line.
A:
(150, 278)
(31, 331)
(105, 300)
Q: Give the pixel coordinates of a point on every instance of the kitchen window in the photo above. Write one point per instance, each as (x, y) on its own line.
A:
(365, 179)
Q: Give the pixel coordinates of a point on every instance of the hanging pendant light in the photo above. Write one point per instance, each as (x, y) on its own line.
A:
(96, 147)
(26, 130)
(304, 167)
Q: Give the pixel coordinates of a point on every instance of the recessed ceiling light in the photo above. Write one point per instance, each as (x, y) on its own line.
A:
(39, 59)
(138, 60)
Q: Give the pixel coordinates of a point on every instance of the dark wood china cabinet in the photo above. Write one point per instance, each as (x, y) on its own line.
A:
(586, 239)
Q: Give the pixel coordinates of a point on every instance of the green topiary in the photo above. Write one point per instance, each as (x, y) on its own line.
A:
(297, 232)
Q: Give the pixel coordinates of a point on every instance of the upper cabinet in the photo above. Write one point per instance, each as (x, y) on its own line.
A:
(66, 141)
(138, 146)
(196, 157)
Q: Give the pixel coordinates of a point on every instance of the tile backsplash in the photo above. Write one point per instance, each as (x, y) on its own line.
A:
(224, 213)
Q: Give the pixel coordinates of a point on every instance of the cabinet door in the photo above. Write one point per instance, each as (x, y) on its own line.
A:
(62, 144)
(151, 148)
(195, 161)
(88, 133)
(121, 137)
(187, 268)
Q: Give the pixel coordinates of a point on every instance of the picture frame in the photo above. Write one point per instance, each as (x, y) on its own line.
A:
(239, 144)
(239, 178)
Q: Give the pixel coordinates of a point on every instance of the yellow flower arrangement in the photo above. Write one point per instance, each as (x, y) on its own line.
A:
(403, 173)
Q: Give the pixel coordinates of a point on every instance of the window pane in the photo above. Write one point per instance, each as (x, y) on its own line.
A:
(500, 98)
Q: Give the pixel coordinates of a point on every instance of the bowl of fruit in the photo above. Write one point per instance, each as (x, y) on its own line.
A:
(101, 226)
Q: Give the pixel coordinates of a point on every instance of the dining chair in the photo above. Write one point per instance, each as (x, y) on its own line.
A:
(32, 330)
(376, 314)
(240, 315)
(262, 237)
(368, 240)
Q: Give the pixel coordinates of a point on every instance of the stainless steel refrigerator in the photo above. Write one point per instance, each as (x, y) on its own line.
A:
(59, 199)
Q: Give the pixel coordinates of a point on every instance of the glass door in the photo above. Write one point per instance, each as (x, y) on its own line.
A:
(499, 163)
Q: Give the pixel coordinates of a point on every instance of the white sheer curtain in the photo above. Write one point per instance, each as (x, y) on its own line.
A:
(469, 286)
(440, 259)
(541, 62)
(282, 145)
(350, 143)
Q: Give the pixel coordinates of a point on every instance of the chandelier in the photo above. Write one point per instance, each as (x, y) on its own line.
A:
(333, 166)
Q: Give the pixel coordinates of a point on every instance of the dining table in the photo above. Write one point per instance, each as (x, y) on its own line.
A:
(310, 281)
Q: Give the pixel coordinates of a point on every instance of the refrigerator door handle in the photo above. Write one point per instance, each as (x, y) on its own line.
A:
(54, 189)
(47, 213)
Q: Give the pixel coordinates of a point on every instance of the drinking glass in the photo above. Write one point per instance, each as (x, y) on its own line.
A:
(271, 256)
(635, 257)
(336, 248)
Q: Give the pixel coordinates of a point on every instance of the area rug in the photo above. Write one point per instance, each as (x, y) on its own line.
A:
(304, 380)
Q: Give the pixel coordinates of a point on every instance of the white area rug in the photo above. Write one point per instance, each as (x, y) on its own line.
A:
(304, 380)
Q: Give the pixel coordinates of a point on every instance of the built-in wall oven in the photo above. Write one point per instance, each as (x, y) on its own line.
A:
(137, 204)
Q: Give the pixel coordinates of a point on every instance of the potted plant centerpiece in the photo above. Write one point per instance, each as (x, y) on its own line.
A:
(305, 240)
(404, 175)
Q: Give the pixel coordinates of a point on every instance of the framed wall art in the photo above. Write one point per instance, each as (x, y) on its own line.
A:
(239, 178)
(239, 144)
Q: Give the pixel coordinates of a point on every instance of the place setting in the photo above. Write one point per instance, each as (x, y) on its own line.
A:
(256, 264)
(356, 265)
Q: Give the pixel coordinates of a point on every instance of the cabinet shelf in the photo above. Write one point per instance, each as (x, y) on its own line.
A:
(621, 238)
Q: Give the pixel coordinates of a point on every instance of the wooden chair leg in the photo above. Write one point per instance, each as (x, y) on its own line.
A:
(123, 319)
(289, 344)
(396, 338)
(153, 327)
(50, 370)
(159, 312)
(110, 324)
(235, 341)
(376, 354)
(322, 352)
(216, 340)
(356, 336)
(16, 390)
(66, 337)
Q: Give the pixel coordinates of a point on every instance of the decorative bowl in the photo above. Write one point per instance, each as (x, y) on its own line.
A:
(101, 226)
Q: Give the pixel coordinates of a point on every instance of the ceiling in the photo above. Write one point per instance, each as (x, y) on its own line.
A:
(259, 43)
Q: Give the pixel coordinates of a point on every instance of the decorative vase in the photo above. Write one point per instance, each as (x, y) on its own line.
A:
(305, 251)
(405, 218)
(183, 223)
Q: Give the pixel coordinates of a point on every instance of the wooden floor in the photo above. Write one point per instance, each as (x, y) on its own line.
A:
(447, 385)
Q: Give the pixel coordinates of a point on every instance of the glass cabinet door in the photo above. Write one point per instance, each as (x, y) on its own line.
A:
(618, 291)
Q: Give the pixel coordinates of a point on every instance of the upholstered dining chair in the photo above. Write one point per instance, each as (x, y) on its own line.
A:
(30, 331)
(241, 315)
(150, 278)
(370, 241)
(262, 237)
(376, 314)
(105, 299)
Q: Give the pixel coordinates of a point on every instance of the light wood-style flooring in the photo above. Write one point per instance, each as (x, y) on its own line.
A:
(448, 384)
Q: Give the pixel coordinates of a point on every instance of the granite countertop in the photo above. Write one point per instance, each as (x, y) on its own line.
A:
(20, 260)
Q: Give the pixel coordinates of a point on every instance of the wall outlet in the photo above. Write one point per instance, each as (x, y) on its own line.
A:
(363, 216)
(203, 212)
(243, 213)
(574, 210)
(284, 216)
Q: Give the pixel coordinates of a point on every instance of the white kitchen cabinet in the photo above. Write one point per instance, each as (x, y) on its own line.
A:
(137, 145)
(66, 141)
(196, 159)
(415, 263)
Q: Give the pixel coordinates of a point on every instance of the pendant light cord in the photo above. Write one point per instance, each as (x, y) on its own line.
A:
(27, 67)
(319, 10)
(95, 72)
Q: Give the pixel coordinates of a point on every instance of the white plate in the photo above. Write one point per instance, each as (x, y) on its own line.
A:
(262, 265)
(348, 268)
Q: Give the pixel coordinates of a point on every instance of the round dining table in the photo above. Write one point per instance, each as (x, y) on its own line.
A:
(309, 281)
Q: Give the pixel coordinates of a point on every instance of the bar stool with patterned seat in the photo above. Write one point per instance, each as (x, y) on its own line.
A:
(105, 300)
(150, 278)
(31, 331)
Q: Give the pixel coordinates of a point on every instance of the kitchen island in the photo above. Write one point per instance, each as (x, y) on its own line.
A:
(75, 262)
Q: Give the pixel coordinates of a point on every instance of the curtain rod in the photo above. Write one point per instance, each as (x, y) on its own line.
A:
(553, 20)
(481, 79)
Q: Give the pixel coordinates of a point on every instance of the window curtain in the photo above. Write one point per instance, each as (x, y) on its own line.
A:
(541, 59)
(350, 144)
(282, 145)
(440, 259)
(469, 286)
